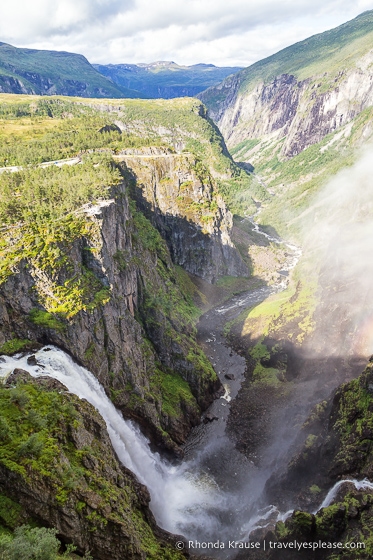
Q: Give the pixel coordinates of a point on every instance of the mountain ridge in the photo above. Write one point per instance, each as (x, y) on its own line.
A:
(300, 93)
(165, 79)
(47, 72)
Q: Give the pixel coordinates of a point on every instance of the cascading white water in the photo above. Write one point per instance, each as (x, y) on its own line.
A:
(364, 484)
(180, 498)
(184, 499)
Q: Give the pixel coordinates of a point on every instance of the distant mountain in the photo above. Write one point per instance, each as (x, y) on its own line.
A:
(165, 79)
(299, 116)
(52, 72)
(299, 94)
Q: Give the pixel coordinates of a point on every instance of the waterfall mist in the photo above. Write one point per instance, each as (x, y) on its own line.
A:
(338, 233)
(217, 493)
(185, 498)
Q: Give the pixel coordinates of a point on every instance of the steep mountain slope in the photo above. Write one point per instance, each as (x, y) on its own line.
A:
(83, 491)
(337, 451)
(165, 79)
(53, 73)
(83, 267)
(87, 190)
(300, 94)
(300, 118)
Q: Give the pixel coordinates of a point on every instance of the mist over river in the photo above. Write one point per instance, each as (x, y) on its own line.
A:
(215, 494)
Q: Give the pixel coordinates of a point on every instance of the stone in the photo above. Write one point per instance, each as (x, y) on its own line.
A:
(31, 360)
(285, 106)
(203, 248)
(209, 417)
(110, 339)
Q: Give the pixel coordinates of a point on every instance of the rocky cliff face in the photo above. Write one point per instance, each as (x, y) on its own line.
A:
(302, 111)
(300, 94)
(338, 434)
(338, 446)
(80, 488)
(179, 198)
(138, 339)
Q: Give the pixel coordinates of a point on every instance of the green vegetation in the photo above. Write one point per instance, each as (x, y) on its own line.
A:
(62, 72)
(295, 306)
(166, 80)
(37, 195)
(168, 315)
(200, 362)
(146, 235)
(44, 245)
(291, 210)
(321, 55)
(30, 424)
(244, 146)
(325, 61)
(347, 521)
(347, 442)
(161, 120)
(46, 218)
(192, 294)
(315, 490)
(54, 129)
(241, 192)
(9, 510)
(171, 311)
(173, 301)
(14, 345)
(36, 446)
(39, 212)
(175, 392)
(354, 421)
(34, 543)
(45, 319)
(233, 285)
(34, 131)
(287, 315)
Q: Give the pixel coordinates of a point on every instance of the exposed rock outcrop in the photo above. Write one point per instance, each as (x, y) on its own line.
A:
(301, 111)
(138, 339)
(179, 198)
(295, 96)
(80, 488)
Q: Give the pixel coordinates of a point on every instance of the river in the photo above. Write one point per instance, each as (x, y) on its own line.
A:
(215, 493)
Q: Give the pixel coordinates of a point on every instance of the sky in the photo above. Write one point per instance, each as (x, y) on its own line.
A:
(220, 32)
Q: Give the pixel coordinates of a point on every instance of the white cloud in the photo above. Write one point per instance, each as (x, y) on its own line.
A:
(187, 31)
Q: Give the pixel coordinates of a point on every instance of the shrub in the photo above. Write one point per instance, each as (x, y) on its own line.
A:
(31, 544)
(32, 447)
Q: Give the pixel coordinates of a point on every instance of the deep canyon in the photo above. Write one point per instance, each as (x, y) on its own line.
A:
(186, 314)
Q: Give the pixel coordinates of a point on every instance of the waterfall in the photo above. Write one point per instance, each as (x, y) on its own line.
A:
(181, 499)
(359, 485)
(185, 499)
